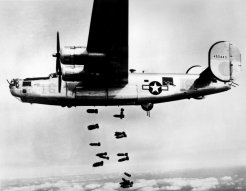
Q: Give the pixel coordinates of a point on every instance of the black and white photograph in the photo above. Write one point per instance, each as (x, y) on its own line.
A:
(115, 95)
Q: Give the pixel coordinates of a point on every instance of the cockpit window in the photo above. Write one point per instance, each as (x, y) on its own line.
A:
(26, 83)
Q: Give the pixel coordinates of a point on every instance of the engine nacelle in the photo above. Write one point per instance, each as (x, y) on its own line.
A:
(147, 106)
(79, 56)
(75, 59)
(225, 61)
(68, 54)
(72, 72)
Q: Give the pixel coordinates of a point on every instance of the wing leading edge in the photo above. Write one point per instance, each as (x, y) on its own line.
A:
(109, 35)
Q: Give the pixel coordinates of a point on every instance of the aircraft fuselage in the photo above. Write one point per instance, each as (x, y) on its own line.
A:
(142, 88)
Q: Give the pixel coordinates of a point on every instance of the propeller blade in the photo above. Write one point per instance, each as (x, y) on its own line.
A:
(59, 83)
(58, 43)
(58, 64)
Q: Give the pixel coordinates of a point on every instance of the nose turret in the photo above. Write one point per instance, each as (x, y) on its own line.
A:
(14, 86)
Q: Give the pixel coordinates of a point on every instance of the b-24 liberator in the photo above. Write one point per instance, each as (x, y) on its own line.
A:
(99, 75)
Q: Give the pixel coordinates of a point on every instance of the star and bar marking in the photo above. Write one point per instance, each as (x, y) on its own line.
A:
(156, 87)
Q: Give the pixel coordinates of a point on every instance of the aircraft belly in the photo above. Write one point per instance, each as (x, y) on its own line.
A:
(47, 100)
(126, 95)
(85, 96)
(107, 96)
(186, 94)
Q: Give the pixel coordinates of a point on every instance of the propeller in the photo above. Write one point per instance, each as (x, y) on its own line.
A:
(58, 62)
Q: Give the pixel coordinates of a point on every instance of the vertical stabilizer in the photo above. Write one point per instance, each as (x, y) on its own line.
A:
(225, 61)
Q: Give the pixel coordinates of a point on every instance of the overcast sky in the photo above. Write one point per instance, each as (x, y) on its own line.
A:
(165, 36)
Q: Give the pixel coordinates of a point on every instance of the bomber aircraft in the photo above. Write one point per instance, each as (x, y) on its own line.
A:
(98, 75)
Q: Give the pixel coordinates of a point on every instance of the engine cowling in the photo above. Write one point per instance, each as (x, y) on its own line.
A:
(72, 72)
(79, 56)
(74, 61)
(69, 54)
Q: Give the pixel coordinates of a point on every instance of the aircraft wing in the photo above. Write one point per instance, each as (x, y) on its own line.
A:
(108, 35)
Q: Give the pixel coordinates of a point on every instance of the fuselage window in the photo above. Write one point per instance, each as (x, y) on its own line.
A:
(167, 81)
(26, 83)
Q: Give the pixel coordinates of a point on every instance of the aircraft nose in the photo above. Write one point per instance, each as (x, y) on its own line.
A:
(13, 91)
(13, 87)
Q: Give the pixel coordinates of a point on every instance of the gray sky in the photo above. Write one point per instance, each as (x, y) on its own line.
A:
(165, 36)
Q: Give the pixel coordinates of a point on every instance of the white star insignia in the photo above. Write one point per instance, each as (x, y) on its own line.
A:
(155, 88)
